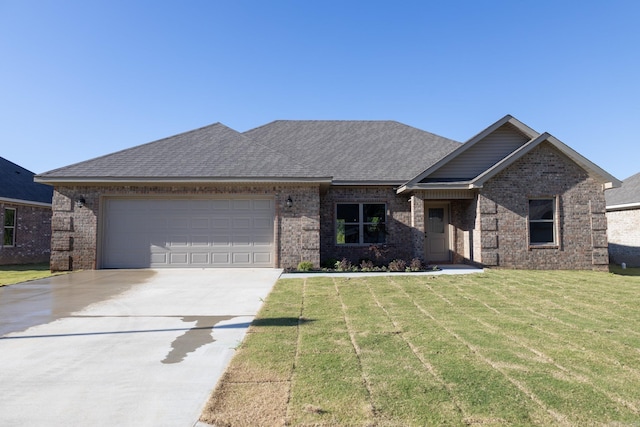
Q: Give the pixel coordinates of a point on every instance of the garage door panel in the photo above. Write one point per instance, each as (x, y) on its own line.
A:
(241, 257)
(179, 258)
(200, 241)
(262, 258)
(219, 240)
(241, 204)
(200, 258)
(220, 259)
(187, 232)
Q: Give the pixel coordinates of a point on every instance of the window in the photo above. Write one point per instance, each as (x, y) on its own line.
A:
(542, 224)
(9, 235)
(360, 223)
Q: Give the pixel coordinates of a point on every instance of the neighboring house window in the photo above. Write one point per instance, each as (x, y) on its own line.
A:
(9, 234)
(360, 223)
(542, 221)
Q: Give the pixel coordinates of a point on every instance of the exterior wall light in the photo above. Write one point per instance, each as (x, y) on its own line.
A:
(289, 202)
(80, 202)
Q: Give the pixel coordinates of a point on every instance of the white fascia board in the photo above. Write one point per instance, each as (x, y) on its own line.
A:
(24, 202)
(623, 207)
(436, 186)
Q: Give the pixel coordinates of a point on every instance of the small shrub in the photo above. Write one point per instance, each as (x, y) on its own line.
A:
(397, 265)
(416, 265)
(305, 266)
(344, 265)
(366, 265)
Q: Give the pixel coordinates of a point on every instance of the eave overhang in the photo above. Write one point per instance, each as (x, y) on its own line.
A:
(24, 202)
(623, 207)
(177, 180)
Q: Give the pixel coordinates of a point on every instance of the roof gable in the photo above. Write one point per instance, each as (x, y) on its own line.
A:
(214, 152)
(627, 195)
(16, 183)
(591, 168)
(355, 151)
(479, 153)
(497, 147)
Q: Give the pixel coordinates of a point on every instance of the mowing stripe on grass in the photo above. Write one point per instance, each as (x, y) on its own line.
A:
(558, 417)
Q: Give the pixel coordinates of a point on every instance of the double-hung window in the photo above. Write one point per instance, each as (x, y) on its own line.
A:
(361, 223)
(542, 222)
(9, 231)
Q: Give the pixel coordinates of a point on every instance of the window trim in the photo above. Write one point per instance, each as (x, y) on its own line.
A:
(555, 203)
(361, 224)
(11, 227)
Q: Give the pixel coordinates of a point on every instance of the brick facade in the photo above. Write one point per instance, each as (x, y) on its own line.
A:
(624, 236)
(32, 234)
(503, 207)
(76, 229)
(490, 229)
(400, 234)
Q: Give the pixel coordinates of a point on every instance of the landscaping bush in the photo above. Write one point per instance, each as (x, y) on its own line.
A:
(416, 265)
(305, 266)
(397, 265)
(344, 265)
(366, 265)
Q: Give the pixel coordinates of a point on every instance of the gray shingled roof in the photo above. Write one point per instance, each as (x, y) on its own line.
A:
(17, 183)
(352, 151)
(628, 193)
(211, 152)
(348, 151)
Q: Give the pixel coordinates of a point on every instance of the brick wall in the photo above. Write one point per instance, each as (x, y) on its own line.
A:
(503, 210)
(400, 235)
(624, 236)
(32, 234)
(76, 230)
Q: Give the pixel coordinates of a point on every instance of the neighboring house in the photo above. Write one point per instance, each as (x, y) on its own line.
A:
(25, 215)
(292, 191)
(623, 217)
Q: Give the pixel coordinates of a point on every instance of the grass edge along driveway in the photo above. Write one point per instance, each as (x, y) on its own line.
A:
(12, 274)
(499, 348)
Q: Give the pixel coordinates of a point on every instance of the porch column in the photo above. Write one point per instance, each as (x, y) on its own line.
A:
(417, 226)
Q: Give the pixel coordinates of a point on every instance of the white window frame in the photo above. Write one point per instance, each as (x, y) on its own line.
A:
(361, 224)
(12, 227)
(553, 221)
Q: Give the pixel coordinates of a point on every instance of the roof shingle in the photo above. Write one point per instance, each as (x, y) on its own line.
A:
(628, 193)
(17, 183)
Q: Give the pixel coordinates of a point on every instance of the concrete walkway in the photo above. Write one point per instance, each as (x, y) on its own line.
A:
(443, 270)
(121, 347)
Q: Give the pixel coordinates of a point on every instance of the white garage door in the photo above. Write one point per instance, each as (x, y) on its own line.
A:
(141, 233)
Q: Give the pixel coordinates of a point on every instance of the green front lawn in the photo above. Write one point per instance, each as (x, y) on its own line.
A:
(499, 348)
(10, 274)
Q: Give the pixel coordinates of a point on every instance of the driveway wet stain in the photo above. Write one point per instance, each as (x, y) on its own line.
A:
(197, 336)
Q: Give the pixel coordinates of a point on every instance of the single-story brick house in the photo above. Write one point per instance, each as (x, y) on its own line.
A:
(292, 191)
(25, 215)
(623, 218)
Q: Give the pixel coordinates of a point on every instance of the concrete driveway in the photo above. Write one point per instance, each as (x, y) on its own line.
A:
(122, 347)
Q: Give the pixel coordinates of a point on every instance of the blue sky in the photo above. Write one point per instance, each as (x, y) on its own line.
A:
(79, 79)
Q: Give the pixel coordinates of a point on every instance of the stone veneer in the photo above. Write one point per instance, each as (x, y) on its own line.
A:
(33, 234)
(502, 211)
(624, 236)
(76, 230)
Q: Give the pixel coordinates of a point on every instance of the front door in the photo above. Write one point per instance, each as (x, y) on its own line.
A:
(436, 240)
